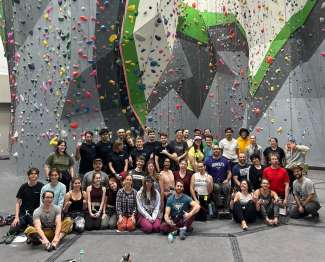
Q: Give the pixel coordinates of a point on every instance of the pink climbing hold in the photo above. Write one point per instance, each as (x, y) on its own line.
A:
(322, 54)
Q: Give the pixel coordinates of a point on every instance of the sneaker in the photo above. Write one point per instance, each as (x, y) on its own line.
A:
(315, 217)
(9, 239)
(3, 239)
(182, 233)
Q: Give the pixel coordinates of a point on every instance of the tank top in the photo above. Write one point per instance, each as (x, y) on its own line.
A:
(96, 194)
(76, 205)
(201, 184)
(267, 200)
(243, 200)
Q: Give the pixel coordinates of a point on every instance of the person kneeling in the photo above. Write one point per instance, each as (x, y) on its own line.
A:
(48, 228)
(126, 205)
(243, 207)
(266, 203)
(148, 202)
(305, 195)
(177, 214)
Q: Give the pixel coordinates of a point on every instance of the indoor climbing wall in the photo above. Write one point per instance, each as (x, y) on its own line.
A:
(247, 63)
(85, 64)
(68, 75)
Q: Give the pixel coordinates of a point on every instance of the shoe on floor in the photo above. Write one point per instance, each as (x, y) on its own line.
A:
(182, 233)
(3, 239)
(9, 239)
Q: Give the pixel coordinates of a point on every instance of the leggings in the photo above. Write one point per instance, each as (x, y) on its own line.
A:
(245, 212)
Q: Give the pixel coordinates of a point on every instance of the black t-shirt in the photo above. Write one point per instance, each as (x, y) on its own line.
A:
(136, 153)
(179, 148)
(87, 156)
(30, 197)
(137, 179)
(161, 157)
(118, 161)
(278, 151)
(255, 177)
(103, 151)
(150, 147)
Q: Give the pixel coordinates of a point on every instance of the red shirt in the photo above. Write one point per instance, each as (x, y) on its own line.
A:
(277, 178)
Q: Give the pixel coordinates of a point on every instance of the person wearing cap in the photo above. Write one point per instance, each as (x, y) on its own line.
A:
(195, 154)
(104, 148)
(304, 192)
(148, 204)
(88, 178)
(229, 146)
(243, 140)
(295, 154)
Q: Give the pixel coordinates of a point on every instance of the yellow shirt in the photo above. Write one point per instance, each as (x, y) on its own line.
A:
(243, 143)
(198, 156)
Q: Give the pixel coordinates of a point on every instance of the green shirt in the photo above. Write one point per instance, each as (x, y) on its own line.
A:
(61, 162)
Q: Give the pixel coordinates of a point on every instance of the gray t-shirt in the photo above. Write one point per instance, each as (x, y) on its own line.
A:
(47, 219)
(304, 189)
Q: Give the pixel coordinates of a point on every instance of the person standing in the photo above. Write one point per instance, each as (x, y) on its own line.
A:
(240, 171)
(138, 173)
(63, 162)
(118, 161)
(178, 148)
(229, 147)
(307, 202)
(274, 148)
(184, 175)
(243, 140)
(255, 172)
(162, 152)
(86, 153)
(253, 149)
(104, 148)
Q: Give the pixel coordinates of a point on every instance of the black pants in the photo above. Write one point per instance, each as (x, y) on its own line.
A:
(244, 212)
(204, 203)
(65, 179)
(24, 221)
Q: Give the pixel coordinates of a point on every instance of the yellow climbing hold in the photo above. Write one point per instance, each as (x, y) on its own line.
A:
(131, 8)
(112, 38)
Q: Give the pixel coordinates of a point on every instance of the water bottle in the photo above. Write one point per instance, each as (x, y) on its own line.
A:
(170, 238)
(210, 209)
(81, 255)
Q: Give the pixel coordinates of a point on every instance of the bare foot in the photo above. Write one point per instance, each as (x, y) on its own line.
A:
(244, 225)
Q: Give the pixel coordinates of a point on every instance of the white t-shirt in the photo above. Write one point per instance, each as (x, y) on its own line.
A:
(229, 148)
(201, 184)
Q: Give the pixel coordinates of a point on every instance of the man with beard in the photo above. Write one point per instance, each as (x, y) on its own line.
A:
(88, 178)
(179, 214)
(166, 181)
(178, 148)
(139, 151)
(229, 147)
(240, 171)
(305, 195)
(162, 152)
(138, 173)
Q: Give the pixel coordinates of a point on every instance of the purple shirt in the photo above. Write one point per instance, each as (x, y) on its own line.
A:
(217, 168)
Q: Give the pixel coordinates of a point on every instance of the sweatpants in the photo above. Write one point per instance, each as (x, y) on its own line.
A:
(66, 228)
(311, 208)
(270, 211)
(245, 212)
(148, 227)
(166, 228)
(204, 204)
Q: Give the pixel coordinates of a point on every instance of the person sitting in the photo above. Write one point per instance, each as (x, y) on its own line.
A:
(126, 206)
(255, 172)
(28, 199)
(148, 203)
(307, 202)
(240, 171)
(47, 226)
(219, 168)
(75, 203)
(88, 178)
(201, 188)
(110, 202)
(96, 193)
(138, 173)
(63, 162)
(266, 203)
(55, 186)
(151, 171)
(243, 206)
(179, 213)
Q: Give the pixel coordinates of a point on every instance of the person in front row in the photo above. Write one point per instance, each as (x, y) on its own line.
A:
(28, 199)
(243, 206)
(307, 202)
(75, 204)
(266, 202)
(48, 228)
(56, 187)
(126, 205)
(179, 213)
(110, 202)
(148, 203)
(96, 194)
(201, 188)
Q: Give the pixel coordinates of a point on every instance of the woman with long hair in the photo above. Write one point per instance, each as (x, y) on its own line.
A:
(148, 203)
(62, 161)
(75, 204)
(243, 207)
(195, 154)
(110, 202)
(96, 193)
(152, 172)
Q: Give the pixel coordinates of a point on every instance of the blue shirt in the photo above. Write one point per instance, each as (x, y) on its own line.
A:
(178, 205)
(207, 151)
(217, 168)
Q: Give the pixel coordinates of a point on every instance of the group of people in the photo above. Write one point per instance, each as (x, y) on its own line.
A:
(162, 186)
